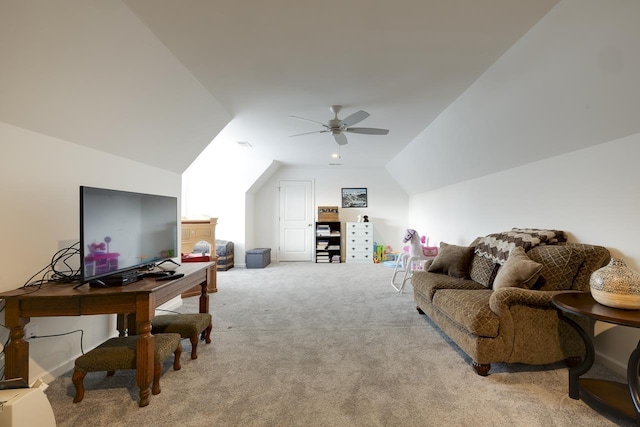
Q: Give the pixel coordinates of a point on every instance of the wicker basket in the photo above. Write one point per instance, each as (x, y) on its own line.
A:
(328, 213)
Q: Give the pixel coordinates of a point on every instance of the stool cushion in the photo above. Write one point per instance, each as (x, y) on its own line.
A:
(186, 325)
(120, 353)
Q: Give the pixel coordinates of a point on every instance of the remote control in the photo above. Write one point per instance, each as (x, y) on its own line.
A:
(172, 277)
(158, 274)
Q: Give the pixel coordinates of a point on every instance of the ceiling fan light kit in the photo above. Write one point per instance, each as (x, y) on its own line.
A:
(337, 127)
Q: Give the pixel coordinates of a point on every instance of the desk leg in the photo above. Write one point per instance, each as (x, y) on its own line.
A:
(122, 325)
(204, 294)
(632, 379)
(583, 367)
(145, 348)
(17, 351)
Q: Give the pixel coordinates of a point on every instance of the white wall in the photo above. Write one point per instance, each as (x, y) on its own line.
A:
(40, 215)
(571, 82)
(563, 105)
(590, 193)
(90, 73)
(387, 202)
(220, 184)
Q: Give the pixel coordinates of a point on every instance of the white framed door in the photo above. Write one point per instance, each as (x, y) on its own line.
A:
(296, 220)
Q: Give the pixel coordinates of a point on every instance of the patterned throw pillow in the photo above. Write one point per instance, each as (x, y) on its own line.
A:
(452, 260)
(483, 270)
(559, 266)
(518, 271)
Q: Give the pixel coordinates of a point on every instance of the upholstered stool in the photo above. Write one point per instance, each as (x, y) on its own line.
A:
(188, 325)
(120, 353)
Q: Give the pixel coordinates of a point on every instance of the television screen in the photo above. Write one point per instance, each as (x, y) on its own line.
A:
(121, 230)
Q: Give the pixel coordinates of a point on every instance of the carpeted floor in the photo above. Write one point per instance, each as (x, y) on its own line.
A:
(301, 344)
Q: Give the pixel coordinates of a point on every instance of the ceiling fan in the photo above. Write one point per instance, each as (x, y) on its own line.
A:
(337, 126)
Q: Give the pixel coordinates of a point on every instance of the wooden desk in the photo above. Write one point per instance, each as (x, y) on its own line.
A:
(138, 299)
(624, 399)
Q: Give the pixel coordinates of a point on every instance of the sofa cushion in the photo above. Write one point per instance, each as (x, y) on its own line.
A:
(518, 271)
(483, 270)
(427, 284)
(560, 264)
(452, 260)
(469, 309)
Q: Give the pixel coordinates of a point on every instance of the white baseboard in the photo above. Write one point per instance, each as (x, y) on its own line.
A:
(614, 365)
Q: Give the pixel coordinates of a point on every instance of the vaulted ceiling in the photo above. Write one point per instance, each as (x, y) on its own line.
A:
(157, 81)
(402, 61)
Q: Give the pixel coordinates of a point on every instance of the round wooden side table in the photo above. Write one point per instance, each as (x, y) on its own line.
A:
(624, 399)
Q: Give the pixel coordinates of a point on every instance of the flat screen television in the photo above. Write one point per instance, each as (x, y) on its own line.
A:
(123, 231)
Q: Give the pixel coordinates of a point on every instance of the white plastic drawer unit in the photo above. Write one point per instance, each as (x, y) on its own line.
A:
(359, 241)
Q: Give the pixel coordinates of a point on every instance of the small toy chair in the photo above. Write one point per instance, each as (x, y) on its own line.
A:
(188, 325)
(120, 353)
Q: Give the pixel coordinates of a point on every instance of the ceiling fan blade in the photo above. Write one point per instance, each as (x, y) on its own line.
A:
(368, 131)
(356, 117)
(309, 120)
(309, 133)
(340, 138)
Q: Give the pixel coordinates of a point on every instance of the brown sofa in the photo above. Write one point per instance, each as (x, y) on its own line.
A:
(500, 311)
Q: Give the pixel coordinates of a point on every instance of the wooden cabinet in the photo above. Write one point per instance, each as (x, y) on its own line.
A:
(328, 241)
(359, 241)
(195, 231)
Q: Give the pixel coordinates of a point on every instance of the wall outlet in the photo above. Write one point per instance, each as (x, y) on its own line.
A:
(30, 331)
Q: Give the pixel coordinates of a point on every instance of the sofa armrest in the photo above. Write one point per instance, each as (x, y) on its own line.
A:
(503, 298)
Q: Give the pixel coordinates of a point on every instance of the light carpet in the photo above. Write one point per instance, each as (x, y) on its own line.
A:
(302, 344)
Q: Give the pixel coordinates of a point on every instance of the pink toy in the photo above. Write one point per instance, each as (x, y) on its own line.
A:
(427, 251)
(97, 248)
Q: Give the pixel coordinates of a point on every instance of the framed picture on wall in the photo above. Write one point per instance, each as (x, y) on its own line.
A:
(354, 197)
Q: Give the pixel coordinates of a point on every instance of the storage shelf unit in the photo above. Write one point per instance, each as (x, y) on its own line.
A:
(359, 241)
(328, 238)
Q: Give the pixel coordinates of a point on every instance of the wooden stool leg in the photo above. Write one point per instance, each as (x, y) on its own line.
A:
(207, 336)
(194, 346)
(78, 382)
(157, 371)
(176, 358)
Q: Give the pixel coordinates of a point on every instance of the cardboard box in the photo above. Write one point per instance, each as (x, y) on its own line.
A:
(328, 213)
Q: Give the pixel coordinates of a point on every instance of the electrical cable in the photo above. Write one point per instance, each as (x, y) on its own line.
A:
(6, 343)
(52, 273)
(62, 256)
(63, 334)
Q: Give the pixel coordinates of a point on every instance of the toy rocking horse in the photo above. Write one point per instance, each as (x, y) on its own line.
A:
(408, 258)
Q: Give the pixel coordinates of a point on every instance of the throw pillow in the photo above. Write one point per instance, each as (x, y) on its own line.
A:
(518, 271)
(483, 271)
(560, 266)
(452, 260)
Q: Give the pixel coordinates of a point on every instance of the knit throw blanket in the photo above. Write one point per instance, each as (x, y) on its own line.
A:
(497, 247)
